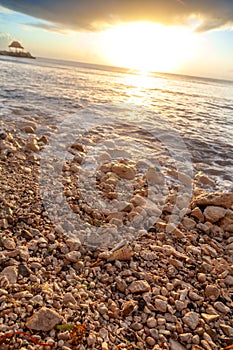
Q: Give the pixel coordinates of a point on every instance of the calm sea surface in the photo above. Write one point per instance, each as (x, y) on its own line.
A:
(198, 111)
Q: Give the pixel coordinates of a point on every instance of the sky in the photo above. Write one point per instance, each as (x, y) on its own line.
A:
(193, 37)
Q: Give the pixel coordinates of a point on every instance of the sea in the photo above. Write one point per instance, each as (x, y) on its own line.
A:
(195, 113)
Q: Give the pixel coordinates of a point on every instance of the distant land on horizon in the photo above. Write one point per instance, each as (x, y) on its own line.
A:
(130, 70)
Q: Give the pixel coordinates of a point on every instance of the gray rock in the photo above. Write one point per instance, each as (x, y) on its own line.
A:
(214, 214)
(44, 320)
(191, 319)
(11, 273)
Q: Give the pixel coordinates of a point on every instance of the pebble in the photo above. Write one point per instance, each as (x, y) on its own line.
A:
(9, 243)
(139, 287)
(73, 256)
(124, 171)
(212, 292)
(151, 322)
(160, 305)
(44, 320)
(210, 318)
(102, 308)
(11, 273)
(104, 346)
(219, 306)
(228, 330)
(175, 345)
(166, 287)
(214, 214)
(201, 277)
(128, 307)
(150, 341)
(191, 319)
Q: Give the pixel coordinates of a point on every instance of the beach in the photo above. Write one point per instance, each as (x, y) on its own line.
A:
(115, 228)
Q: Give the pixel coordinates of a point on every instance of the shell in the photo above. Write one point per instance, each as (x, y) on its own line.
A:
(124, 254)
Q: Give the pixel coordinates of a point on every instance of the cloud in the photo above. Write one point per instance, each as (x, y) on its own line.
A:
(5, 39)
(50, 27)
(95, 15)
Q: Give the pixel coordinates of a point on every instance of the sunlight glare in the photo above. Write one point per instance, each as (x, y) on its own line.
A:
(148, 46)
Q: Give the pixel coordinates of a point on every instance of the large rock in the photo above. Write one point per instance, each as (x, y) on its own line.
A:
(214, 214)
(224, 200)
(44, 320)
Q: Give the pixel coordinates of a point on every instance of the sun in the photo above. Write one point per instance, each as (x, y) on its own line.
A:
(148, 46)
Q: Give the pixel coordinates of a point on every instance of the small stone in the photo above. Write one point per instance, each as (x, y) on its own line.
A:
(203, 227)
(201, 277)
(154, 176)
(186, 337)
(10, 273)
(191, 319)
(175, 345)
(44, 320)
(23, 270)
(212, 292)
(23, 253)
(29, 129)
(197, 213)
(161, 305)
(138, 201)
(229, 280)
(128, 307)
(139, 287)
(68, 298)
(194, 296)
(37, 299)
(136, 326)
(102, 308)
(214, 214)
(73, 256)
(188, 223)
(180, 305)
(32, 146)
(121, 285)
(91, 339)
(221, 307)
(9, 243)
(196, 339)
(104, 346)
(218, 199)
(151, 322)
(227, 329)
(209, 318)
(3, 223)
(124, 171)
(150, 341)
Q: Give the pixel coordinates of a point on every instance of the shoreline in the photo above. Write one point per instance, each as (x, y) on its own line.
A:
(16, 54)
(170, 289)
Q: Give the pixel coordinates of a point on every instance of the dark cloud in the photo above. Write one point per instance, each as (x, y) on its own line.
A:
(96, 14)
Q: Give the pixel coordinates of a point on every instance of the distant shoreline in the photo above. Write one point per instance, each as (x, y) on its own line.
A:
(16, 54)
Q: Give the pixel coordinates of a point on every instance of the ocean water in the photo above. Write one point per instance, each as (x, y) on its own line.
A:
(192, 118)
